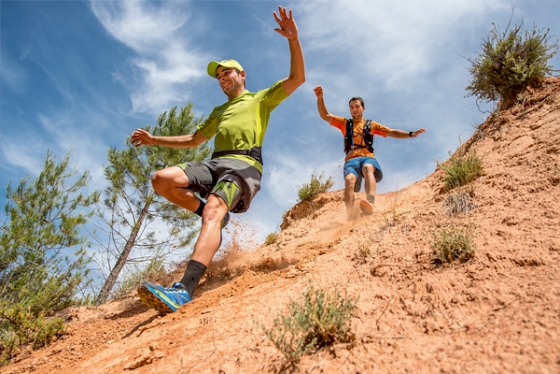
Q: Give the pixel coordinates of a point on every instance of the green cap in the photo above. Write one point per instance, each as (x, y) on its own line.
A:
(231, 64)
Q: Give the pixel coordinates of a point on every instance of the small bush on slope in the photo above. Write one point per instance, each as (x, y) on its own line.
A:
(309, 190)
(20, 327)
(459, 202)
(509, 62)
(453, 243)
(461, 170)
(320, 320)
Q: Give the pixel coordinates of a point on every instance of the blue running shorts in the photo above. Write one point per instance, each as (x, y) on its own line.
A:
(355, 166)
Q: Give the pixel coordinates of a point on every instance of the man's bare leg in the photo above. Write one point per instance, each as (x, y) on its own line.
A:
(370, 186)
(209, 238)
(349, 183)
(370, 183)
(172, 183)
(167, 300)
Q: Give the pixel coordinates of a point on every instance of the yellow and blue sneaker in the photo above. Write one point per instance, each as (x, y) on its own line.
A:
(164, 300)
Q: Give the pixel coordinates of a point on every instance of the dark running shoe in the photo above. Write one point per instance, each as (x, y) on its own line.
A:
(164, 300)
(358, 185)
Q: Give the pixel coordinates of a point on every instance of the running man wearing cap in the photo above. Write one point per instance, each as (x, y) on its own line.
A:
(232, 178)
(360, 160)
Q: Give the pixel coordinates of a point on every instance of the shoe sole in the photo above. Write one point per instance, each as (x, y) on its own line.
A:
(366, 207)
(150, 298)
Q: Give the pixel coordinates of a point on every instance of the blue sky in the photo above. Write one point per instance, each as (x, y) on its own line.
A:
(82, 75)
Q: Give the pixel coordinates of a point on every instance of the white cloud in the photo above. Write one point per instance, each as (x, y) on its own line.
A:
(141, 25)
(393, 42)
(88, 150)
(12, 73)
(26, 160)
(165, 61)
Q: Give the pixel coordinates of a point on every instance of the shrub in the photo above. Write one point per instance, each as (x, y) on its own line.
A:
(271, 238)
(20, 327)
(509, 62)
(391, 215)
(453, 243)
(44, 259)
(309, 190)
(320, 320)
(459, 202)
(461, 170)
(362, 254)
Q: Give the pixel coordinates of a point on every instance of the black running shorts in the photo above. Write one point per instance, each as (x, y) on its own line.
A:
(215, 176)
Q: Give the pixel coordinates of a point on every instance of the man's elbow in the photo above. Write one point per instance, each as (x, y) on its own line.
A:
(326, 117)
(299, 80)
(292, 83)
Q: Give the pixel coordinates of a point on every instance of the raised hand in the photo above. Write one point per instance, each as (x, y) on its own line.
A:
(418, 132)
(288, 28)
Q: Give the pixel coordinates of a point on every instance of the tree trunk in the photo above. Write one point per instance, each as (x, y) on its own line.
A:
(112, 278)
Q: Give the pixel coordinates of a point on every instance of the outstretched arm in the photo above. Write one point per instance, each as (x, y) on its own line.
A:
(405, 134)
(288, 29)
(142, 137)
(323, 112)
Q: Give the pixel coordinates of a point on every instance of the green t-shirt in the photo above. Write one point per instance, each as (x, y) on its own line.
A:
(241, 123)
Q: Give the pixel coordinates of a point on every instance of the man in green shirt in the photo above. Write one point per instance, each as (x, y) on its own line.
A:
(232, 178)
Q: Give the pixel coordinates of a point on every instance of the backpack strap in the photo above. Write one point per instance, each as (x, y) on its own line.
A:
(368, 136)
(367, 126)
(349, 137)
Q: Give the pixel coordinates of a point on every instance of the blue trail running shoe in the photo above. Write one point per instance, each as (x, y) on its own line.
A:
(164, 300)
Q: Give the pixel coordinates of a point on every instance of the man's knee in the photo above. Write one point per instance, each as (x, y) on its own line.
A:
(215, 208)
(350, 179)
(368, 169)
(164, 179)
(160, 181)
(349, 183)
